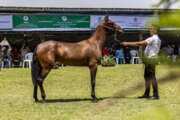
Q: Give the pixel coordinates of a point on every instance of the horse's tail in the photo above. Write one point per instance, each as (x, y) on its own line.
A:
(36, 68)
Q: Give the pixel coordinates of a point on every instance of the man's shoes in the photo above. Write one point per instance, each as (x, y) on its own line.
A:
(143, 96)
(153, 98)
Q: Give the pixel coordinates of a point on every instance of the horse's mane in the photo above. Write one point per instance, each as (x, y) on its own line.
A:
(95, 30)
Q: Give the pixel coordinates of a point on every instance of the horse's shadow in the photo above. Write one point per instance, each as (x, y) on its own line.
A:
(80, 99)
(68, 100)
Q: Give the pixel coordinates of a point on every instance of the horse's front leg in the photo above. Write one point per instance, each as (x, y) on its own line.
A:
(93, 70)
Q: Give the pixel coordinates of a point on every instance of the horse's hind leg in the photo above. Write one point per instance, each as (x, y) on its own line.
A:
(44, 73)
(35, 93)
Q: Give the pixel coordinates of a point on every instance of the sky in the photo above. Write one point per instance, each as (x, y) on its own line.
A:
(83, 3)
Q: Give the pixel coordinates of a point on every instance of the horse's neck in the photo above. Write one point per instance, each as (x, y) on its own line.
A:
(100, 36)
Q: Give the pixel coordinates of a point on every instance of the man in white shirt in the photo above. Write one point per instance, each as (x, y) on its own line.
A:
(153, 44)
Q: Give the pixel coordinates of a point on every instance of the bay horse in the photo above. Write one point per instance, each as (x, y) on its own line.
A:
(85, 53)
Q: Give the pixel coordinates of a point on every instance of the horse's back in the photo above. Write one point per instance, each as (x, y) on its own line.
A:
(75, 54)
(51, 51)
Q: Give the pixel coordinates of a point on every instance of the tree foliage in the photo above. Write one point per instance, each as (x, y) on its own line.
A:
(170, 18)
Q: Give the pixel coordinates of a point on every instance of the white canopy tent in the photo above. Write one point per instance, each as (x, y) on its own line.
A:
(5, 42)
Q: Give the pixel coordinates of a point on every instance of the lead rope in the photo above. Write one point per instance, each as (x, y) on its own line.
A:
(115, 37)
(115, 34)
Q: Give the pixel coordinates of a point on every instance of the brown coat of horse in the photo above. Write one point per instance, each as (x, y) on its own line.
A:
(84, 53)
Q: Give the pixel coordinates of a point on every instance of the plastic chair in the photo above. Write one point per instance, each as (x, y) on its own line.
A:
(137, 60)
(135, 57)
(119, 55)
(28, 59)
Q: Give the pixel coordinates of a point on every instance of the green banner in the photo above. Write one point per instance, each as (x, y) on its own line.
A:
(50, 21)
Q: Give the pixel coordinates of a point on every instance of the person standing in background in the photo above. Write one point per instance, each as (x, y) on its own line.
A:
(24, 50)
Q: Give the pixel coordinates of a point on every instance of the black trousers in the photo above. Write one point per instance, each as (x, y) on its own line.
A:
(149, 76)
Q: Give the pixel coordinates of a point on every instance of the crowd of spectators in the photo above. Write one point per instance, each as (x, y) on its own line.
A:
(170, 50)
(14, 56)
(114, 52)
(17, 55)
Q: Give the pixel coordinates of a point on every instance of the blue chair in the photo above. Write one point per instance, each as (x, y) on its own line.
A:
(119, 56)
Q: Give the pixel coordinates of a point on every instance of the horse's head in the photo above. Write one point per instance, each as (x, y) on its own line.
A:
(110, 26)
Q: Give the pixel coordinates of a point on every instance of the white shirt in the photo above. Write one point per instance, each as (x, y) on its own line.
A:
(153, 46)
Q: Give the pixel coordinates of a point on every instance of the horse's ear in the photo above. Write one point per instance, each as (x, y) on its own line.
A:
(106, 18)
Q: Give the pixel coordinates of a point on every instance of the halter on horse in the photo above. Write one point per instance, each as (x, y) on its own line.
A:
(84, 53)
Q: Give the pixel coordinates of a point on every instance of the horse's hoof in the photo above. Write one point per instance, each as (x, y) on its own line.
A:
(95, 101)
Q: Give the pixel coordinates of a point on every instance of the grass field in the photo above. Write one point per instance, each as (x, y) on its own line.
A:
(68, 94)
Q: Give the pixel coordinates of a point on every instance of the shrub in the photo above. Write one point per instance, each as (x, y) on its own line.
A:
(107, 61)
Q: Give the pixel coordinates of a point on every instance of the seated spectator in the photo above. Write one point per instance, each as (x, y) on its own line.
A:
(133, 53)
(127, 55)
(112, 51)
(105, 51)
(119, 57)
(0, 51)
(175, 48)
(15, 57)
(5, 56)
(179, 49)
(168, 50)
